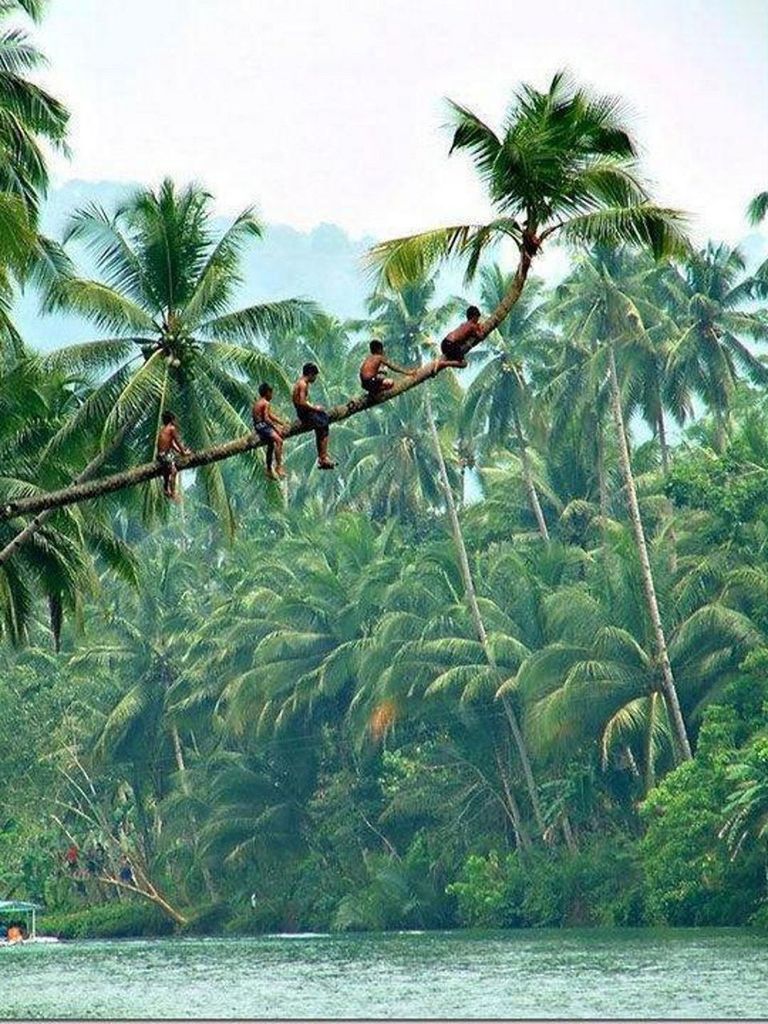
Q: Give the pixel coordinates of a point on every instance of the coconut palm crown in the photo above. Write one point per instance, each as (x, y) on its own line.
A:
(563, 164)
(171, 339)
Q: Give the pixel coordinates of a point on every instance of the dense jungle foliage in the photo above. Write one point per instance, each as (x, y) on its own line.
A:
(506, 666)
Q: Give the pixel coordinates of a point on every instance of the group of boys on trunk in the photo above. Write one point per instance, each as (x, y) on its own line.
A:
(269, 427)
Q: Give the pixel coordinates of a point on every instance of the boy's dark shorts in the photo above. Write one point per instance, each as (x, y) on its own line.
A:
(452, 349)
(319, 420)
(373, 385)
(266, 432)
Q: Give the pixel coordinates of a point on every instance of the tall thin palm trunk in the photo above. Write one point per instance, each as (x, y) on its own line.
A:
(601, 480)
(649, 588)
(477, 619)
(530, 486)
(661, 431)
(187, 791)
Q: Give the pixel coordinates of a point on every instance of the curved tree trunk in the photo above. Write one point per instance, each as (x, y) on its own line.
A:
(530, 486)
(149, 892)
(477, 619)
(86, 490)
(93, 467)
(649, 588)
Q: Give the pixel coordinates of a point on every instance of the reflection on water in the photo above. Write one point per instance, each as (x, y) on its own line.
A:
(637, 973)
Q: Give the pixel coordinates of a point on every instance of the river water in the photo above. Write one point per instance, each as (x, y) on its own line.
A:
(621, 973)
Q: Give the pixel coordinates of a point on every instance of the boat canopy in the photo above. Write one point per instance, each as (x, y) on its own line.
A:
(18, 907)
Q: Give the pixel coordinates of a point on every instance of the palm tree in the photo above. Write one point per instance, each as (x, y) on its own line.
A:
(29, 116)
(391, 466)
(747, 807)
(713, 301)
(164, 302)
(145, 635)
(282, 646)
(564, 166)
(479, 625)
(408, 317)
(596, 680)
(61, 559)
(499, 398)
(758, 208)
(609, 317)
(424, 663)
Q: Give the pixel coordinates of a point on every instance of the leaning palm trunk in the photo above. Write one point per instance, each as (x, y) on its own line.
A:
(187, 790)
(88, 489)
(510, 802)
(513, 293)
(144, 887)
(93, 467)
(667, 678)
(477, 619)
(530, 486)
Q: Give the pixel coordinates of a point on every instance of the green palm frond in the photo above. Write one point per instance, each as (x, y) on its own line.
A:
(101, 304)
(35, 9)
(262, 320)
(758, 208)
(414, 257)
(644, 224)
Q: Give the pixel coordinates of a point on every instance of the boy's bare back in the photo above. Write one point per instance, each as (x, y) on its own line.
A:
(371, 365)
(168, 439)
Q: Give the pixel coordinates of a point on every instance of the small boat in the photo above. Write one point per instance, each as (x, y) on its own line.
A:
(8, 908)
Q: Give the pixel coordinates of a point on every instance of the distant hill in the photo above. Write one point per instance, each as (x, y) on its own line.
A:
(324, 264)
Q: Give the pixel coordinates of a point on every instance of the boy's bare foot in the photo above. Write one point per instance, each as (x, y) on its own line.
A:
(271, 474)
(280, 471)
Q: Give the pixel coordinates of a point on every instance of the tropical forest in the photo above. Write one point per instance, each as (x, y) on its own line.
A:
(503, 665)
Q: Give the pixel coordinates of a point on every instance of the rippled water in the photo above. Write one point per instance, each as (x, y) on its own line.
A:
(638, 973)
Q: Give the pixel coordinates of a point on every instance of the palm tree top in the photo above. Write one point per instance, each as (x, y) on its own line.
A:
(32, 8)
(564, 161)
(757, 208)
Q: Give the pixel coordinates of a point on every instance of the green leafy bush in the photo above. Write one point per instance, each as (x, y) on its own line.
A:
(691, 877)
(600, 885)
(108, 921)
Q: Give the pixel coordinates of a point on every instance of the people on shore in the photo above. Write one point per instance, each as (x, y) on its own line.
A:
(169, 446)
(267, 427)
(312, 415)
(372, 379)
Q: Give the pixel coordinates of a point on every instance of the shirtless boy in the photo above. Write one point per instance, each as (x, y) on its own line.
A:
(455, 345)
(169, 445)
(266, 425)
(312, 415)
(371, 378)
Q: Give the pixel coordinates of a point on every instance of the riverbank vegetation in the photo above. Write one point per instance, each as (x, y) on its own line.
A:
(505, 667)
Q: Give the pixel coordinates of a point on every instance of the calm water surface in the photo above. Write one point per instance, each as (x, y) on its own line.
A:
(637, 973)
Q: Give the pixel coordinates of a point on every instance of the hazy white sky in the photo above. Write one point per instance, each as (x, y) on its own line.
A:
(331, 110)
